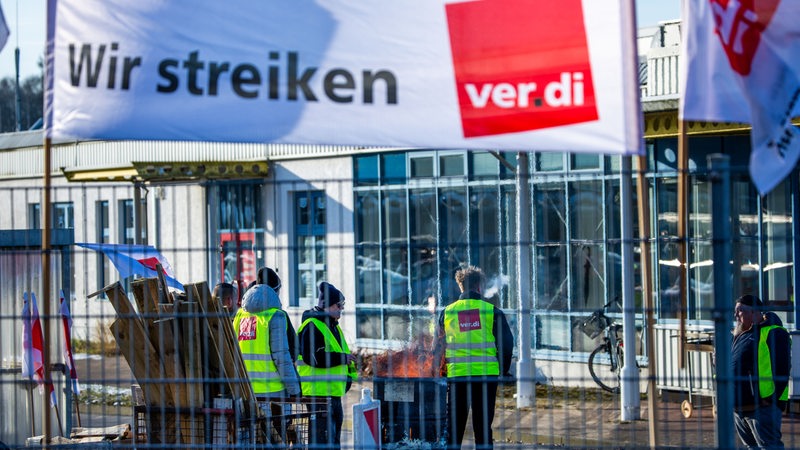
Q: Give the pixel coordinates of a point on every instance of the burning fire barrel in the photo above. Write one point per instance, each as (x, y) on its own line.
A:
(413, 396)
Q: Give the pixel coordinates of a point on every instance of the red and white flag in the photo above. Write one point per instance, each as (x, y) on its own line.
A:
(741, 63)
(33, 344)
(66, 321)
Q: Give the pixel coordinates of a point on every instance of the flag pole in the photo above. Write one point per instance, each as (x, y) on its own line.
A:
(77, 410)
(46, 291)
(30, 408)
(643, 200)
(46, 219)
(58, 419)
(683, 227)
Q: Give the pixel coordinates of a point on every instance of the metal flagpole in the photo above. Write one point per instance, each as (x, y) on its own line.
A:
(683, 232)
(643, 200)
(46, 290)
(526, 369)
(722, 312)
(46, 218)
(630, 403)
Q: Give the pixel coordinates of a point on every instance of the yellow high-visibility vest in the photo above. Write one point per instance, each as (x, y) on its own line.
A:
(471, 348)
(766, 386)
(252, 332)
(325, 381)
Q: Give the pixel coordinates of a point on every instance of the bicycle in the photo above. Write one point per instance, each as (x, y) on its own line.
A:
(605, 361)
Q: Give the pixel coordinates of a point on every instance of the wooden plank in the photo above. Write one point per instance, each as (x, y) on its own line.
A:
(143, 360)
(140, 294)
(213, 361)
(118, 298)
(227, 344)
(122, 431)
(165, 296)
(145, 291)
(160, 328)
(192, 351)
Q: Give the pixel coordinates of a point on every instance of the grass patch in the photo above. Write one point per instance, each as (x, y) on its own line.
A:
(101, 395)
(104, 342)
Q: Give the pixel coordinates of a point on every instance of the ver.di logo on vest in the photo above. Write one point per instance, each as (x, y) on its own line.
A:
(469, 320)
(247, 329)
(520, 65)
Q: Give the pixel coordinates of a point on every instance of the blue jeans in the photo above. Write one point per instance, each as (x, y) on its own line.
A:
(760, 428)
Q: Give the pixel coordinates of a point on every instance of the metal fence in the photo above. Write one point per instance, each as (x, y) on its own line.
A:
(158, 368)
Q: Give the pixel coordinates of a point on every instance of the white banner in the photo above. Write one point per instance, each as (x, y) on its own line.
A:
(484, 74)
(4, 33)
(741, 63)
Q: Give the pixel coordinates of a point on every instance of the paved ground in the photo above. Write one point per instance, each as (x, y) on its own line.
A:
(590, 419)
(561, 419)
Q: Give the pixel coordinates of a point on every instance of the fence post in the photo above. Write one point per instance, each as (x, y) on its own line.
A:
(526, 368)
(630, 408)
(722, 311)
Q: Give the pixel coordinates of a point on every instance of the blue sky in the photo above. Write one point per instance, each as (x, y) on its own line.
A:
(26, 20)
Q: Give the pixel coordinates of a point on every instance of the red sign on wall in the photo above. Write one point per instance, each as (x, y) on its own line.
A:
(238, 259)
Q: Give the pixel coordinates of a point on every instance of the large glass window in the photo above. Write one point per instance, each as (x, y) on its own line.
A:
(310, 252)
(126, 227)
(127, 234)
(745, 226)
(776, 210)
(395, 247)
(34, 216)
(412, 237)
(423, 236)
(62, 215)
(237, 230)
(102, 236)
(587, 250)
(368, 254)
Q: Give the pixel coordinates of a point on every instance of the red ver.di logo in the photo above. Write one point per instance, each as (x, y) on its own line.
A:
(247, 329)
(520, 65)
(469, 320)
(739, 25)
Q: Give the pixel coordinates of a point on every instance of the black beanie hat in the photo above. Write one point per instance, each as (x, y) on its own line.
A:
(751, 301)
(328, 295)
(269, 277)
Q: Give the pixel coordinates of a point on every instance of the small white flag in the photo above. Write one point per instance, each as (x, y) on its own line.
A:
(741, 63)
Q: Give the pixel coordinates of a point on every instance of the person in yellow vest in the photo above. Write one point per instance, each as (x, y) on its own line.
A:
(477, 344)
(260, 326)
(325, 365)
(761, 362)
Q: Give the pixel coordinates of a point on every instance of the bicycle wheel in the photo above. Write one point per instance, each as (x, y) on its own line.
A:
(601, 371)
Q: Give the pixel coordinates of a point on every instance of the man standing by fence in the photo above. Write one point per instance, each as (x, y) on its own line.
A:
(326, 367)
(761, 360)
(477, 344)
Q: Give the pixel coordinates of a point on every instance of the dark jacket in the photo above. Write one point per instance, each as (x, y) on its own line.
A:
(312, 342)
(504, 339)
(744, 362)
